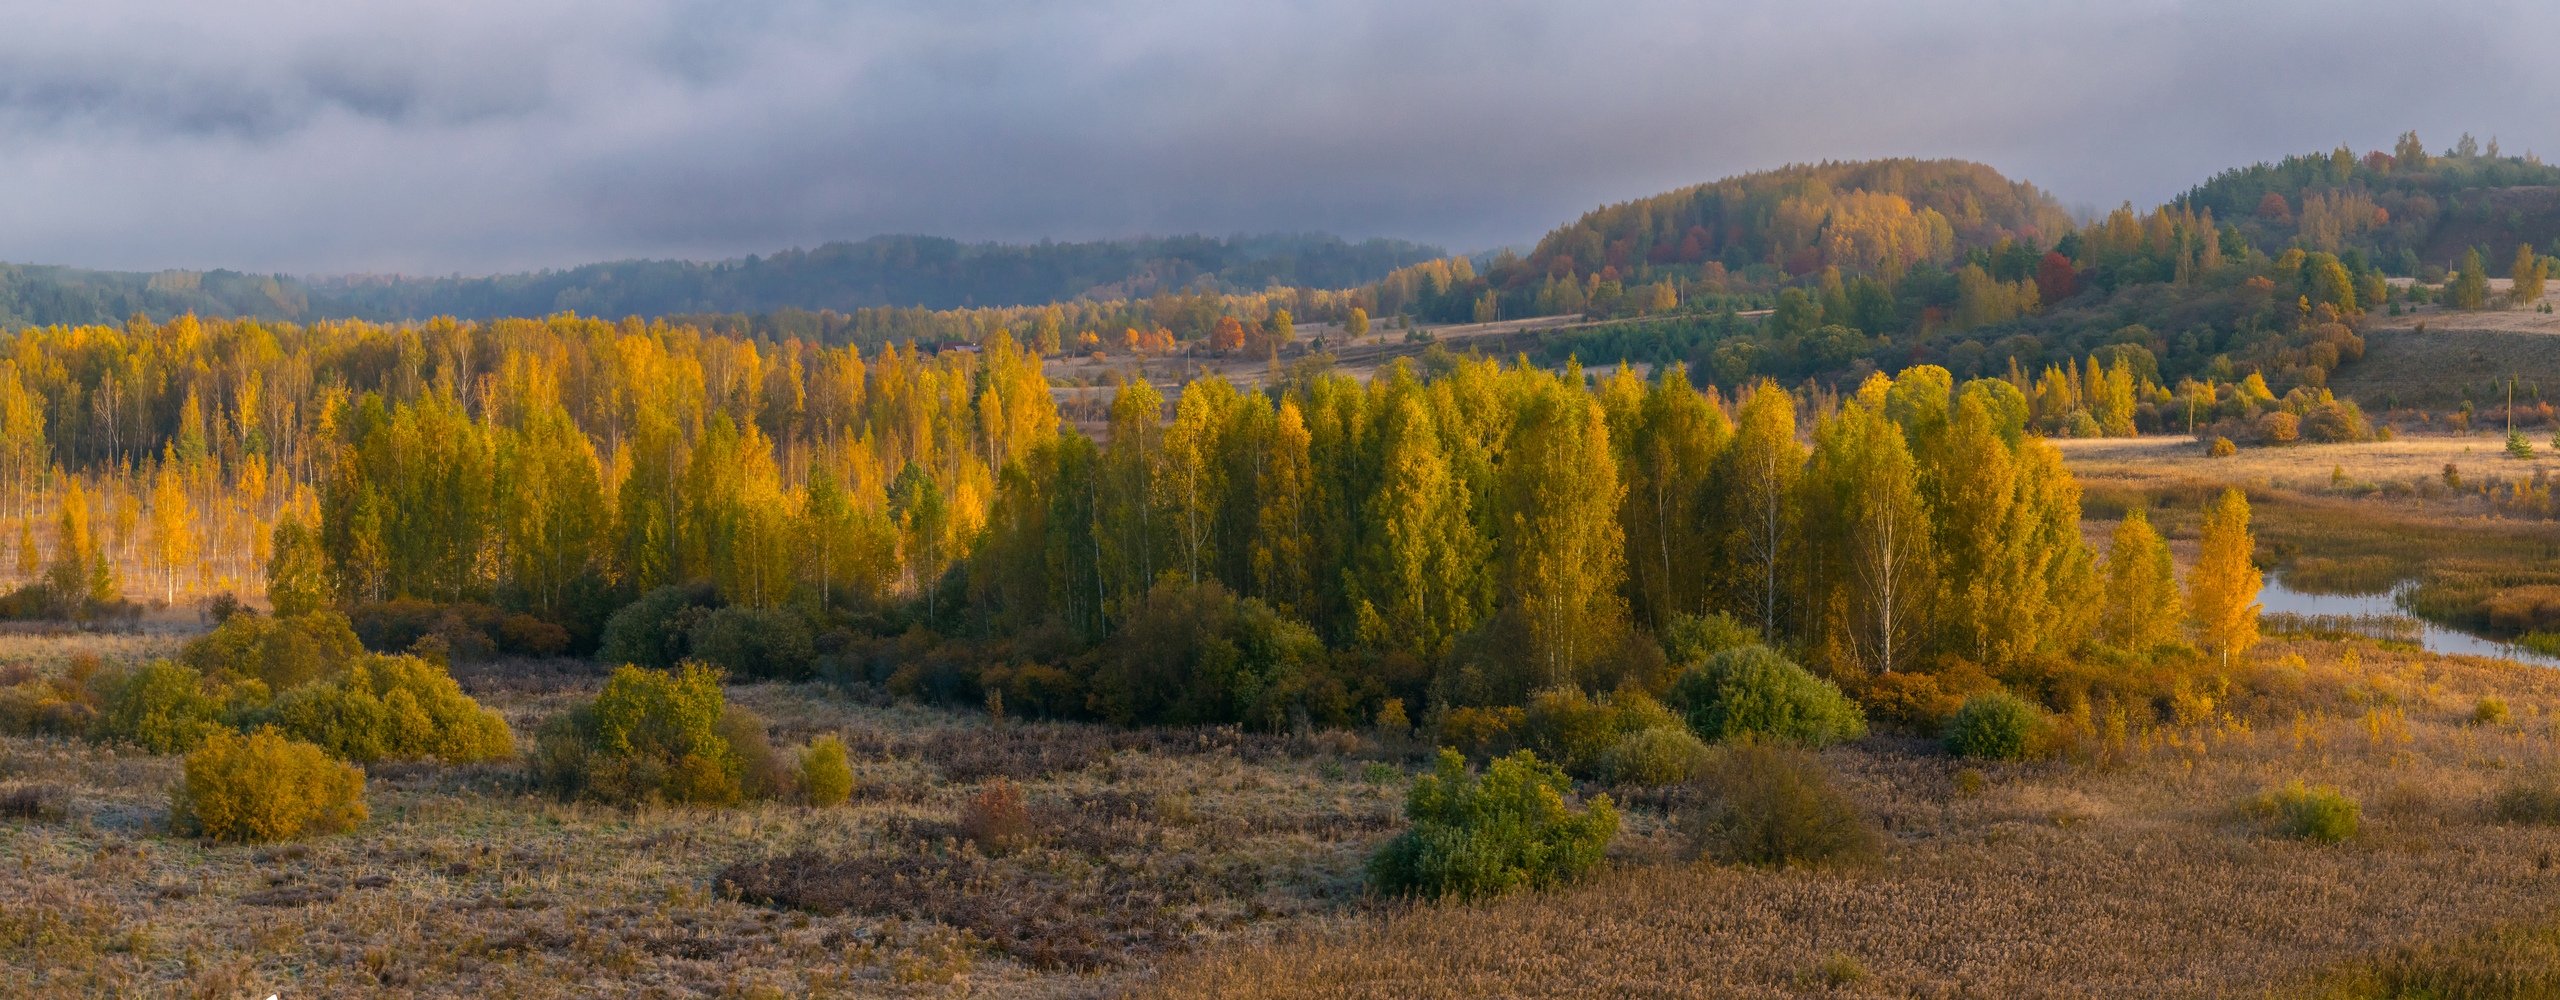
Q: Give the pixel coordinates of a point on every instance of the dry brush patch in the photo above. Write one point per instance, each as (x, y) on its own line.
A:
(467, 881)
(2147, 876)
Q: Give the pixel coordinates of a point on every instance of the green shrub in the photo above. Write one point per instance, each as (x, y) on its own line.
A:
(1994, 725)
(1690, 639)
(651, 631)
(1660, 755)
(1752, 690)
(2491, 711)
(649, 736)
(1479, 836)
(280, 653)
(1194, 654)
(2320, 814)
(394, 708)
(1767, 804)
(1579, 734)
(161, 707)
(262, 787)
(754, 643)
(825, 777)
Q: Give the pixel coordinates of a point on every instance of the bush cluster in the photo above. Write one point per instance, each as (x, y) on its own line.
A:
(754, 643)
(2320, 814)
(1480, 836)
(394, 708)
(1754, 691)
(465, 631)
(262, 787)
(1626, 736)
(653, 630)
(1994, 725)
(656, 736)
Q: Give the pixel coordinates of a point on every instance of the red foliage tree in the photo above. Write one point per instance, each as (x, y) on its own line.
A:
(2056, 279)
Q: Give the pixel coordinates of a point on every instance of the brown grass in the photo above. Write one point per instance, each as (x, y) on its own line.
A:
(2055, 880)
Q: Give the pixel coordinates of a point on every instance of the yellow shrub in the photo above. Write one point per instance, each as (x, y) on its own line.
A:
(824, 776)
(263, 787)
(395, 708)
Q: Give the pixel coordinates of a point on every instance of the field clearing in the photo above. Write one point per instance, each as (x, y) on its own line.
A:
(2301, 467)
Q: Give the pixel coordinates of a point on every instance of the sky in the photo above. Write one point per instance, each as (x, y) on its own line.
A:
(476, 136)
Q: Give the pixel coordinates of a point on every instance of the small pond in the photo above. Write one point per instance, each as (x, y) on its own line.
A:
(2278, 598)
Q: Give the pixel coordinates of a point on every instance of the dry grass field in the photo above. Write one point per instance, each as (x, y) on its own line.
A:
(2137, 874)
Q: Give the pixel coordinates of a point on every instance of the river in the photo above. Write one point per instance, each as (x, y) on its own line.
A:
(2276, 597)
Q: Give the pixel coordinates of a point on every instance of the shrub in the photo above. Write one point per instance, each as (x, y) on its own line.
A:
(264, 787)
(995, 818)
(2223, 448)
(277, 652)
(651, 631)
(1994, 725)
(650, 735)
(2527, 802)
(2320, 814)
(1751, 690)
(161, 707)
(1660, 755)
(825, 777)
(1580, 734)
(762, 773)
(758, 643)
(1692, 638)
(1480, 836)
(394, 708)
(2491, 711)
(1194, 653)
(1771, 804)
(531, 636)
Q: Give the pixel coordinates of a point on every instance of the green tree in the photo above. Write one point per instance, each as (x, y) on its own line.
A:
(2470, 288)
(297, 570)
(1678, 437)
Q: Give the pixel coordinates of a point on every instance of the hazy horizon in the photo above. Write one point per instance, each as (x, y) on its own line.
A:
(482, 137)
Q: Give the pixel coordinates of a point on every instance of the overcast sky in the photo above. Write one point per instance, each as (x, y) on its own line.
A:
(483, 135)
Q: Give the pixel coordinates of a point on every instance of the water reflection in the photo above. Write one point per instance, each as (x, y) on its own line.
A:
(2277, 597)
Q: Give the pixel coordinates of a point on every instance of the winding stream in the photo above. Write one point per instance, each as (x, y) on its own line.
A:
(2276, 597)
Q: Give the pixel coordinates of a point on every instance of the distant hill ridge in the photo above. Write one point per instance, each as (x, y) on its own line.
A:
(926, 271)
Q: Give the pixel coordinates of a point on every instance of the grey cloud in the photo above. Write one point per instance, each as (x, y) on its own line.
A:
(480, 135)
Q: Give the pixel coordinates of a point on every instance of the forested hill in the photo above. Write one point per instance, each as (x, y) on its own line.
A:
(2403, 210)
(1866, 217)
(923, 271)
